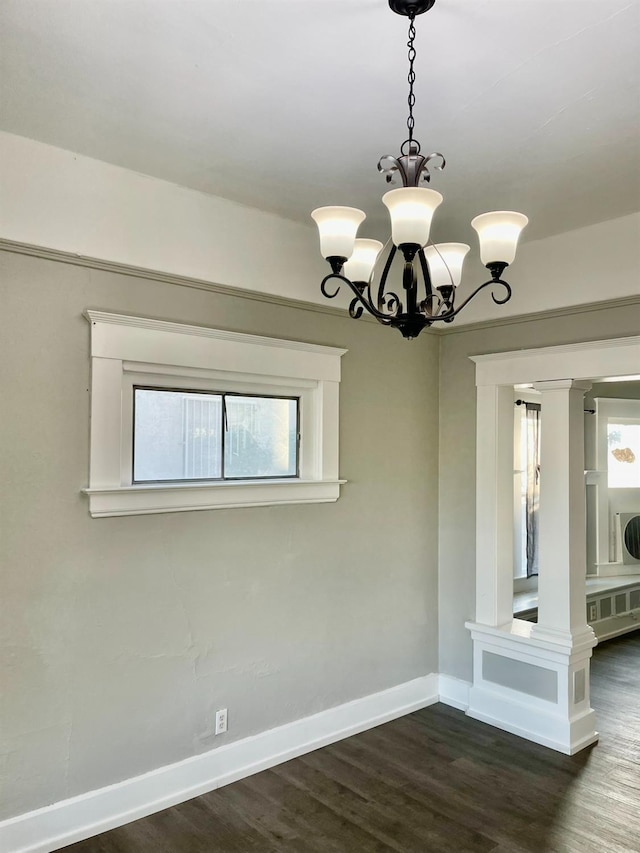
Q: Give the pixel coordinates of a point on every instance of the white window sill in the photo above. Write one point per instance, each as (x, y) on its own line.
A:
(521, 585)
(182, 497)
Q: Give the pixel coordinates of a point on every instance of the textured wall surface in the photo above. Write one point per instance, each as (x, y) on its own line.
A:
(457, 499)
(121, 636)
(64, 201)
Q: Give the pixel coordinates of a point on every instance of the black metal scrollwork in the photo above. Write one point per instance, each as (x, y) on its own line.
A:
(412, 167)
(323, 287)
(355, 309)
(507, 297)
(389, 308)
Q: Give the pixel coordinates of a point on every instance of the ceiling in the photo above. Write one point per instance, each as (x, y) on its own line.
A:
(287, 105)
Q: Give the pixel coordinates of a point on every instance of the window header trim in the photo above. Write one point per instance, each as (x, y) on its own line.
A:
(132, 342)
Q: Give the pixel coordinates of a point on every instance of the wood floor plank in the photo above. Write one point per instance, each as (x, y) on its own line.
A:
(428, 824)
(287, 830)
(434, 781)
(257, 793)
(335, 828)
(478, 819)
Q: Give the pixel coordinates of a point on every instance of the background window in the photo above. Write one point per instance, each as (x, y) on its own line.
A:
(623, 457)
(527, 424)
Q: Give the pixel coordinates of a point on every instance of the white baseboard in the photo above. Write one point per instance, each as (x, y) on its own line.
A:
(500, 707)
(68, 821)
(454, 692)
(564, 746)
(616, 626)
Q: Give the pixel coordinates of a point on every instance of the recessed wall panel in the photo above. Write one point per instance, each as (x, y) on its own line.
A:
(518, 675)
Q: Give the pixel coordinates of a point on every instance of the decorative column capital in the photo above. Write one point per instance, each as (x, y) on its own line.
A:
(563, 385)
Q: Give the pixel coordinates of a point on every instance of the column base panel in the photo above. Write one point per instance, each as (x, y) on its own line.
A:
(568, 737)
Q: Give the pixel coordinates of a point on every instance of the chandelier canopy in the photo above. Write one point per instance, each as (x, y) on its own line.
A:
(355, 261)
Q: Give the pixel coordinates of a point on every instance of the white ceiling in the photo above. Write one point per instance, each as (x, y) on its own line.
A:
(287, 105)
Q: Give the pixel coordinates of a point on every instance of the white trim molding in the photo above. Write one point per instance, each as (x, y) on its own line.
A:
(593, 360)
(153, 274)
(77, 818)
(533, 680)
(185, 497)
(607, 553)
(127, 321)
(453, 692)
(126, 350)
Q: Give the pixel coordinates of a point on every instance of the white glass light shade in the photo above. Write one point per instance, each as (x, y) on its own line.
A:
(445, 263)
(361, 263)
(411, 211)
(498, 234)
(338, 227)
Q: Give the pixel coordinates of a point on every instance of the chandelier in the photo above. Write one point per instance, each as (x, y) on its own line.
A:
(355, 262)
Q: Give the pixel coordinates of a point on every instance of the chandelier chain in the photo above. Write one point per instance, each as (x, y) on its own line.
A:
(411, 100)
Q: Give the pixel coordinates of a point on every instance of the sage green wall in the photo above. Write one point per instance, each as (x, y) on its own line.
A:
(622, 390)
(457, 503)
(120, 636)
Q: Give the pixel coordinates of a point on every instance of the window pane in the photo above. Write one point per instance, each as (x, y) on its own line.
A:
(177, 435)
(261, 437)
(624, 455)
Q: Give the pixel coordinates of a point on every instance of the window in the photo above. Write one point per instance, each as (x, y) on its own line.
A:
(527, 422)
(187, 417)
(623, 457)
(614, 478)
(192, 435)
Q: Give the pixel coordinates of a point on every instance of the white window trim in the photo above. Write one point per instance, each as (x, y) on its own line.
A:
(525, 584)
(128, 350)
(608, 409)
(607, 558)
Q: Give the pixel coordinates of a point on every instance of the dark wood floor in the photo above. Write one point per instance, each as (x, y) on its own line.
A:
(434, 782)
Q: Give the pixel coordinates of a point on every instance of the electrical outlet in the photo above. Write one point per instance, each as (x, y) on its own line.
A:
(593, 612)
(221, 721)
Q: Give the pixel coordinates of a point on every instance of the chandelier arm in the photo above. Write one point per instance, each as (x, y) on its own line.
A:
(410, 284)
(364, 297)
(507, 288)
(355, 310)
(391, 298)
(359, 297)
(427, 306)
(323, 287)
(426, 275)
(448, 317)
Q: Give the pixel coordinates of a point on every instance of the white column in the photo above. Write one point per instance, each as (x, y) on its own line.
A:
(494, 505)
(562, 515)
(533, 680)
